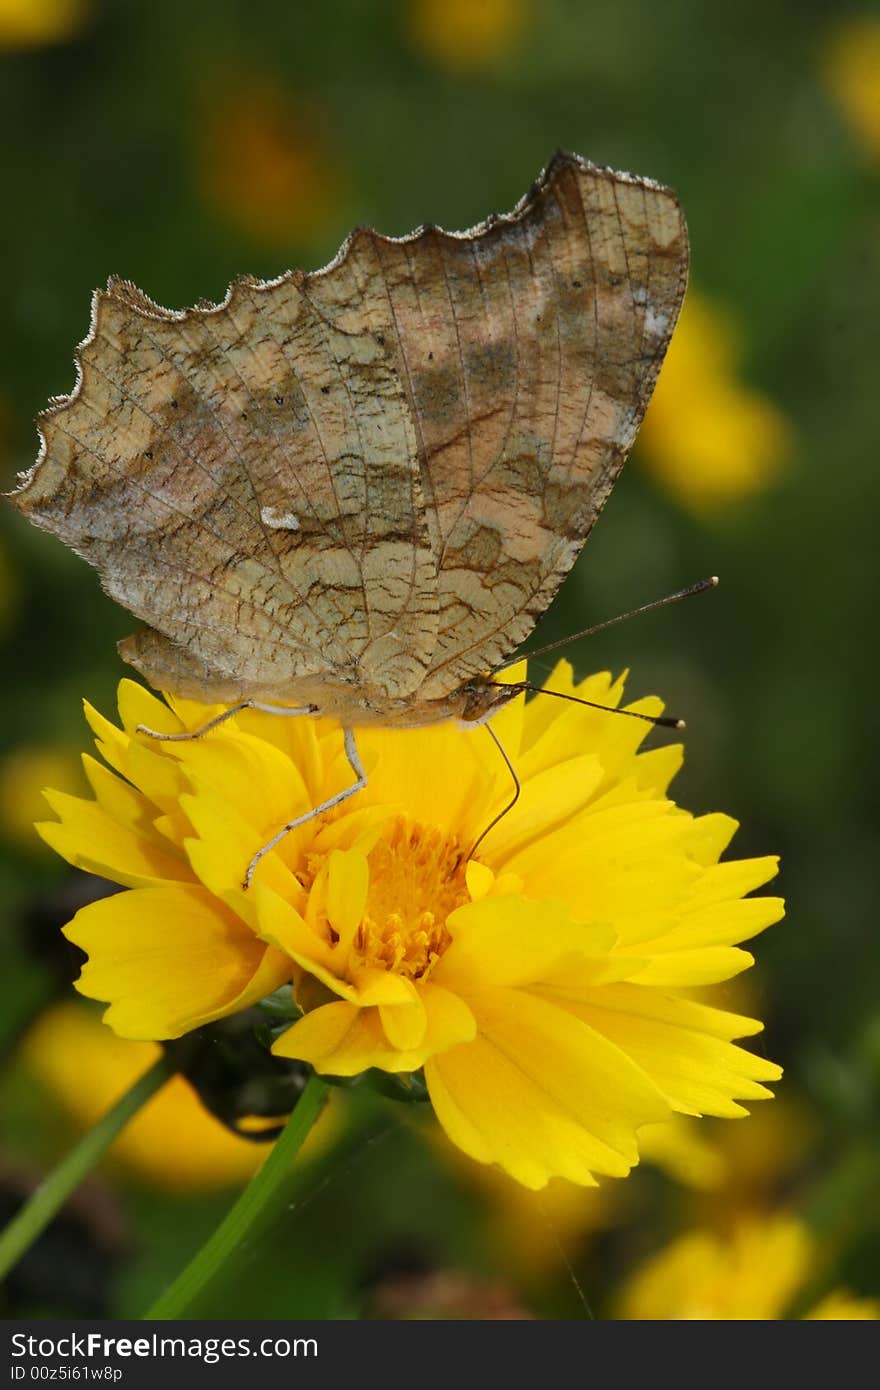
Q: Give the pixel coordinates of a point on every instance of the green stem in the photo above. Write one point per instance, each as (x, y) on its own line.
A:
(54, 1191)
(266, 1194)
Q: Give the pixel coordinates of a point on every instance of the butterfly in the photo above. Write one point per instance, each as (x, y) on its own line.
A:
(354, 492)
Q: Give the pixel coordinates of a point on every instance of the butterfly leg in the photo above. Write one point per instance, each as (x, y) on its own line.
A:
(356, 766)
(227, 714)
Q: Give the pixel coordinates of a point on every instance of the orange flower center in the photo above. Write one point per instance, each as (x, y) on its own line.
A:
(417, 877)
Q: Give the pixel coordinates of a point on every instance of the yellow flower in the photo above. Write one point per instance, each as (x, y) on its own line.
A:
(263, 169)
(466, 34)
(538, 984)
(852, 74)
(707, 437)
(753, 1274)
(28, 23)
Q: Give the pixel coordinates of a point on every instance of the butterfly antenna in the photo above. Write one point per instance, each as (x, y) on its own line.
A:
(698, 588)
(517, 788)
(660, 721)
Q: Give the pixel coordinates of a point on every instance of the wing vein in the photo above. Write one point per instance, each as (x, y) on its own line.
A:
(322, 444)
(156, 497)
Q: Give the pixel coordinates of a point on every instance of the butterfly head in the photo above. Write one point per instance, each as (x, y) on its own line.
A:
(481, 697)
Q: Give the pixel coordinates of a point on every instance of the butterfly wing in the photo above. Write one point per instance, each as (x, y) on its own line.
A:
(528, 350)
(244, 478)
(378, 475)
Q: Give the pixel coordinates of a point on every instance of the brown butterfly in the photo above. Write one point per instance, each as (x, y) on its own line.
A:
(354, 492)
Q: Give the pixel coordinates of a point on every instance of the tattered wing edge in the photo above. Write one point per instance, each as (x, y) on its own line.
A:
(124, 292)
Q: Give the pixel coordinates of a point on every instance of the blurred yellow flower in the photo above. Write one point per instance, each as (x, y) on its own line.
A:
(29, 23)
(173, 1142)
(755, 1161)
(752, 1274)
(24, 774)
(725, 1171)
(707, 437)
(851, 60)
(527, 1230)
(263, 169)
(684, 1152)
(843, 1307)
(466, 34)
(539, 985)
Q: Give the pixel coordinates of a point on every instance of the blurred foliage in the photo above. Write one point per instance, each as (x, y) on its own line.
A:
(180, 145)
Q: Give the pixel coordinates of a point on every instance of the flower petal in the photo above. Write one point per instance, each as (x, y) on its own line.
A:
(479, 878)
(278, 922)
(690, 969)
(512, 941)
(348, 882)
(684, 1047)
(450, 1019)
(222, 848)
(656, 768)
(716, 927)
(405, 1024)
(250, 773)
(137, 705)
(596, 835)
(88, 837)
(541, 1094)
(112, 743)
(547, 801)
(339, 1039)
(142, 761)
(554, 729)
(123, 802)
(170, 958)
(441, 775)
(374, 986)
(342, 1039)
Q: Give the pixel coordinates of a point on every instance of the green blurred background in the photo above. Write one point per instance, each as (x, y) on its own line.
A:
(180, 145)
